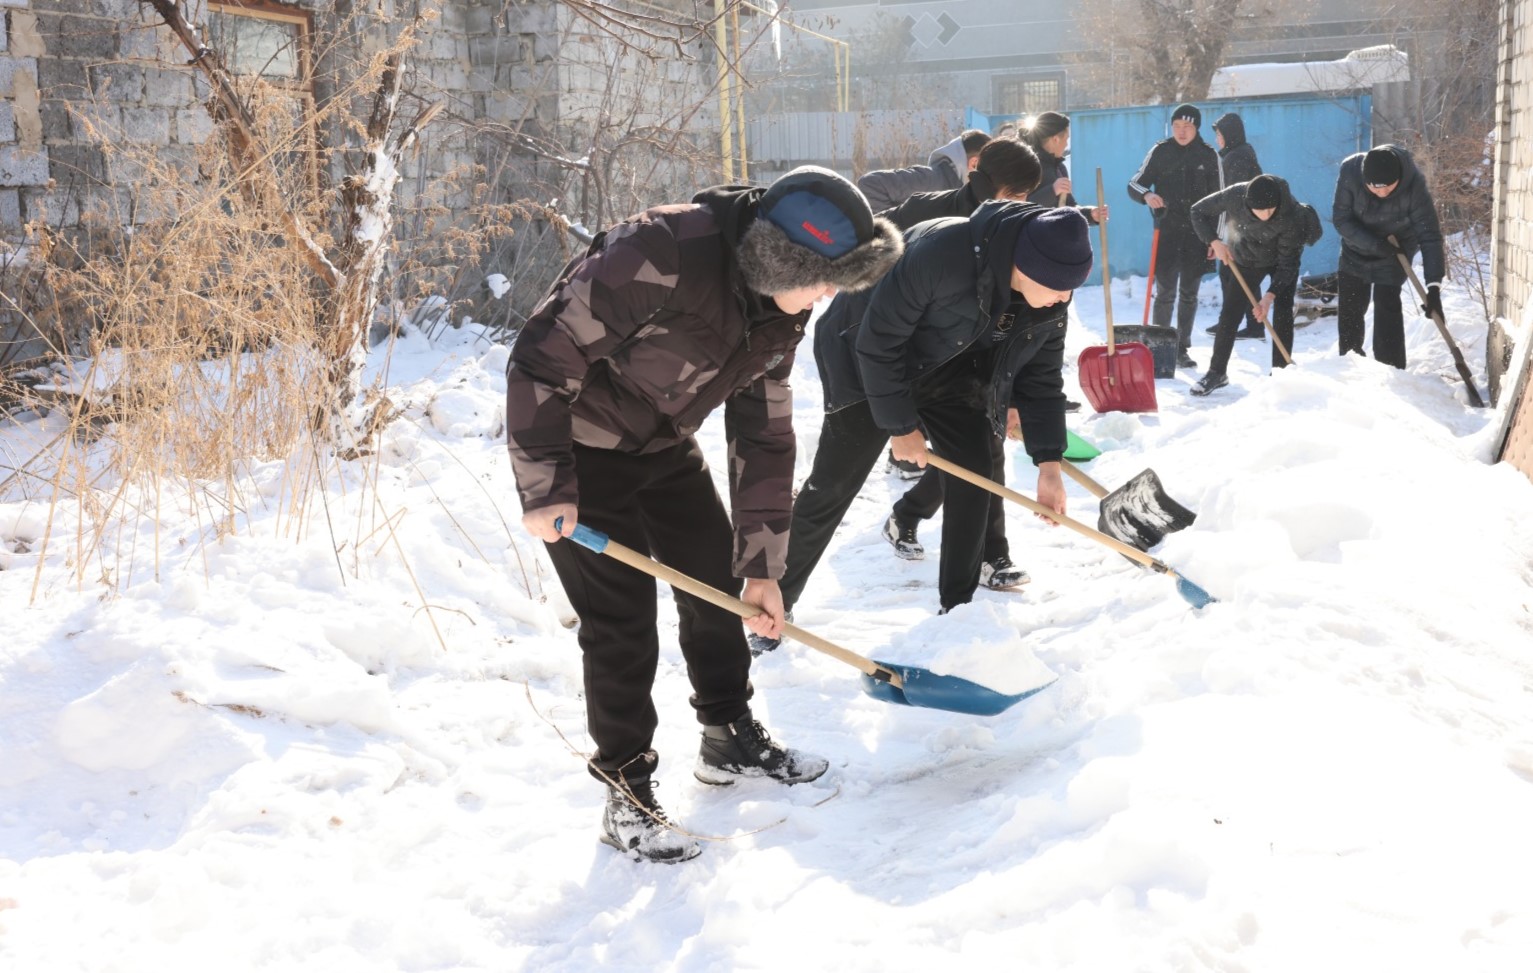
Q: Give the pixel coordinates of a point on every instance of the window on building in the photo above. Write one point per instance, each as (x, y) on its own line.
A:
(1028, 95)
(274, 43)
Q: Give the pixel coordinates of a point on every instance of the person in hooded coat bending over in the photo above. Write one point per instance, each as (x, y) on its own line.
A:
(667, 316)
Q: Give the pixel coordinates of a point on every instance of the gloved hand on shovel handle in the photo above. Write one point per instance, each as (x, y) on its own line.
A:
(1433, 308)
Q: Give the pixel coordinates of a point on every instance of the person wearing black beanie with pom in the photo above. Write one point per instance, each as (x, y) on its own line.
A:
(1177, 172)
(667, 316)
(1380, 193)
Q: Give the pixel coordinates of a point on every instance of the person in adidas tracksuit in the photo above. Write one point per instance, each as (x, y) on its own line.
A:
(1380, 193)
(667, 316)
(1263, 230)
(1176, 173)
(1237, 164)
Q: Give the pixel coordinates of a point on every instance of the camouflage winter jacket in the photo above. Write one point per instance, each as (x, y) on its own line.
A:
(638, 342)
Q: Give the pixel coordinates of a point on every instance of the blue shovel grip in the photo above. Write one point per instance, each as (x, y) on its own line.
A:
(585, 536)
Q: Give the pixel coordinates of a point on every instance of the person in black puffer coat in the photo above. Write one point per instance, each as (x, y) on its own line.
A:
(1381, 193)
(1176, 173)
(1264, 231)
(952, 340)
(1006, 169)
(1237, 164)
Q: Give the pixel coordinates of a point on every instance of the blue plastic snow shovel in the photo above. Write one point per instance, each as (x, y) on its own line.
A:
(907, 685)
(1191, 593)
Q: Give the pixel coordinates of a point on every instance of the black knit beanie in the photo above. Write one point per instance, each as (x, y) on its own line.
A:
(1381, 167)
(1263, 192)
(1188, 113)
(1054, 249)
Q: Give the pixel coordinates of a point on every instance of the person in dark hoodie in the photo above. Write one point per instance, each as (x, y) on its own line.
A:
(1007, 169)
(1380, 193)
(1237, 164)
(1264, 232)
(945, 169)
(667, 316)
(1176, 173)
(968, 325)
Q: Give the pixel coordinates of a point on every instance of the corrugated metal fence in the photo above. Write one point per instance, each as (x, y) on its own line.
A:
(1302, 139)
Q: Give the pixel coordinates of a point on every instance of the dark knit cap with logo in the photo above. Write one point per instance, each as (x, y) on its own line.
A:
(1263, 192)
(1189, 113)
(1054, 249)
(814, 226)
(1381, 167)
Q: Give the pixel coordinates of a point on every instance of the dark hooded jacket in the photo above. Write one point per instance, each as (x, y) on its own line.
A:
(945, 169)
(642, 338)
(1237, 160)
(1273, 244)
(940, 302)
(1364, 221)
(1181, 175)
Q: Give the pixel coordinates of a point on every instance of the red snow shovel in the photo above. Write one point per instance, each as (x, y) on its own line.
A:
(1119, 377)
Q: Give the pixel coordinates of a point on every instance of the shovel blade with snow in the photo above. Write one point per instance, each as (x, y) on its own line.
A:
(907, 685)
(1141, 513)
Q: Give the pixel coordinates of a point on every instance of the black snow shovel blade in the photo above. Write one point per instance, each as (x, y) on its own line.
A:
(1140, 513)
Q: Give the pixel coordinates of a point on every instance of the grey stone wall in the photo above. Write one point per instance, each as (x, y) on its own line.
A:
(1512, 232)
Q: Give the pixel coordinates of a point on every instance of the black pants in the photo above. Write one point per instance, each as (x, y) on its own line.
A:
(1179, 269)
(1237, 306)
(1352, 296)
(922, 501)
(663, 504)
(1225, 279)
(850, 444)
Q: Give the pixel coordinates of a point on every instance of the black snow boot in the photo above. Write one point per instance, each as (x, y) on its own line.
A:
(635, 824)
(743, 749)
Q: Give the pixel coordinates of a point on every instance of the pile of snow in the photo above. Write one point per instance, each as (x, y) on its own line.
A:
(349, 736)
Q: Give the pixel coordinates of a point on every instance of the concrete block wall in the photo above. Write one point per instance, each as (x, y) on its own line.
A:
(1512, 232)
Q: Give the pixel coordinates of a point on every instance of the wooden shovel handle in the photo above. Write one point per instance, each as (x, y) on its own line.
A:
(1106, 278)
(1442, 327)
(985, 483)
(1276, 341)
(714, 596)
(1075, 473)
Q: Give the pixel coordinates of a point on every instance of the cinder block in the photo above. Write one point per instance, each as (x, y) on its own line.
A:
(10, 209)
(147, 125)
(19, 168)
(7, 123)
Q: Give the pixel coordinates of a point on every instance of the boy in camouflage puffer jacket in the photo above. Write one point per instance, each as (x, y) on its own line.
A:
(667, 316)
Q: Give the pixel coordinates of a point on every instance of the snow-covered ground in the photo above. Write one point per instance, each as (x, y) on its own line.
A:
(349, 736)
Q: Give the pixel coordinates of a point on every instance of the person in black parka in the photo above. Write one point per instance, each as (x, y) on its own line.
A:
(952, 340)
(1237, 164)
(1176, 173)
(1378, 193)
(1264, 233)
(1006, 170)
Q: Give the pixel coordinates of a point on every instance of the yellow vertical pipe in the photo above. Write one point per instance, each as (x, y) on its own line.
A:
(734, 24)
(721, 42)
